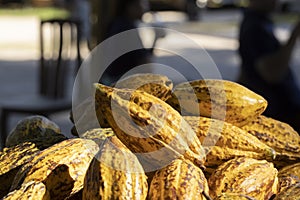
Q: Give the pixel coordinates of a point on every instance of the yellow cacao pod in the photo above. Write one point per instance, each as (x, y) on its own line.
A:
(290, 193)
(154, 84)
(33, 190)
(248, 176)
(115, 173)
(233, 196)
(36, 129)
(224, 141)
(179, 180)
(157, 85)
(289, 175)
(11, 160)
(61, 167)
(98, 135)
(148, 126)
(278, 135)
(218, 99)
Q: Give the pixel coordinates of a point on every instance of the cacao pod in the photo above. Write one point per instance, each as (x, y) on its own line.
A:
(33, 190)
(218, 99)
(11, 160)
(179, 180)
(148, 126)
(289, 175)
(278, 135)
(157, 85)
(290, 193)
(115, 173)
(233, 196)
(36, 129)
(154, 84)
(61, 167)
(248, 176)
(224, 141)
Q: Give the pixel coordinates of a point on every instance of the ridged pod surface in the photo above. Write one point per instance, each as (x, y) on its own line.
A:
(148, 126)
(218, 99)
(36, 129)
(115, 173)
(233, 196)
(33, 190)
(180, 180)
(157, 85)
(224, 141)
(289, 193)
(98, 135)
(278, 135)
(289, 175)
(255, 178)
(11, 160)
(65, 163)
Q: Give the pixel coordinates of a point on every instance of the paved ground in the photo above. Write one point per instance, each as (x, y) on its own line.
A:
(215, 33)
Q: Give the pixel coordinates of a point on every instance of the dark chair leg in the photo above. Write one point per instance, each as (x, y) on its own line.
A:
(3, 127)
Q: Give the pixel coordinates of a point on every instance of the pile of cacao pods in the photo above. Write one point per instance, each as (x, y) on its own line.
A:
(203, 139)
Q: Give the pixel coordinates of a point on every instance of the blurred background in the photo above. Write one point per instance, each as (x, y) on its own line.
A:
(212, 24)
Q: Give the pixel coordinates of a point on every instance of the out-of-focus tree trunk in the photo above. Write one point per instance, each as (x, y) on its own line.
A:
(103, 11)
